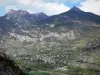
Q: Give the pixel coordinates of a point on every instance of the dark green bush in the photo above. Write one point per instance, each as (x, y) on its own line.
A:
(38, 73)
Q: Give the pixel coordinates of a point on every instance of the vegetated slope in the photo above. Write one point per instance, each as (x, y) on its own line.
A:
(8, 67)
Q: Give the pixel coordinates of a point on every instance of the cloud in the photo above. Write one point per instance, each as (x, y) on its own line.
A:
(91, 6)
(51, 7)
(35, 6)
(63, 1)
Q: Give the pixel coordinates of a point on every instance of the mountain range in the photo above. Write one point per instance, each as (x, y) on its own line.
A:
(58, 44)
(14, 18)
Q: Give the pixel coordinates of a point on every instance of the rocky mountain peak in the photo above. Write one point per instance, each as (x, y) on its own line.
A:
(41, 14)
(17, 12)
(74, 8)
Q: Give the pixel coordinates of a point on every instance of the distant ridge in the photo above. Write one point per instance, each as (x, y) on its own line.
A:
(73, 16)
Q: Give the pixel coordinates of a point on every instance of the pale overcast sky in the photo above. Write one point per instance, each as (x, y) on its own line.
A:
(50, 7)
